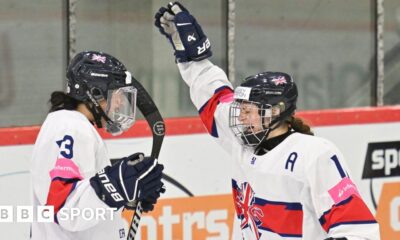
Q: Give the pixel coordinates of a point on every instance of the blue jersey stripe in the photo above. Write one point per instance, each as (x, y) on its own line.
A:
(338, 166)
(351, 223)
(281, 234)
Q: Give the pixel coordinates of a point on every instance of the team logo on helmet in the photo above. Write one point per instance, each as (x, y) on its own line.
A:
(99, 58)
(242, 93)
(279, 81)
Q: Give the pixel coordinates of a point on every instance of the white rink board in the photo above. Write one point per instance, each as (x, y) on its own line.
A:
(195, 161)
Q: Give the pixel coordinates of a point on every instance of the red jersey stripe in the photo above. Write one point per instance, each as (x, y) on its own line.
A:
(59, 192)
(350, 211)
(283, 218)
(208, 109)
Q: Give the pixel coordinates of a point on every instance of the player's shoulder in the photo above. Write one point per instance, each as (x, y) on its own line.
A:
(312, 143)
(68, 121)
(315, 149)
(67, 117)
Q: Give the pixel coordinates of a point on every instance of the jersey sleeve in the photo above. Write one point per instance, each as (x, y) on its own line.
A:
(211, 93)
(69, 187)
(80, 200)
(336, 199)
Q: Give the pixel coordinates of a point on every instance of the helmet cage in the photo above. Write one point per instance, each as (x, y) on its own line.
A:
(251, 133)
(274, 93)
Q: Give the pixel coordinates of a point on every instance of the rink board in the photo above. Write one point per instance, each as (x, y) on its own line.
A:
(193, 159)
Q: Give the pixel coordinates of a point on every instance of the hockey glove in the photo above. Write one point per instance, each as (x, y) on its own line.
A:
(184, 33)
(148, 203)
(134, 178)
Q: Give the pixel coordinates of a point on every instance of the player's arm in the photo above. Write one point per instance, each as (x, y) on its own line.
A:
(340, 208)
(210, 90)
(112, 187)
(68, 184)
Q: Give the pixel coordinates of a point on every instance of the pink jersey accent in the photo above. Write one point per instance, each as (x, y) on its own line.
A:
(65, 168)
(228, 98)
(343, 190)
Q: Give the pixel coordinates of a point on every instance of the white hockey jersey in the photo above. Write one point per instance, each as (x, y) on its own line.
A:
(301, 189)
(67, 152)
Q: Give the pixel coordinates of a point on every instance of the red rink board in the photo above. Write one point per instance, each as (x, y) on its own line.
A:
(193, 125)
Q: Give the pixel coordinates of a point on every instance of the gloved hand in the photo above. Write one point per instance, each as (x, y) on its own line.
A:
(134, 178)
(148, 203)
(184, 33)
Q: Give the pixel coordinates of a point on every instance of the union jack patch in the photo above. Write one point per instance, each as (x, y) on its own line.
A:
(99, 58)
(280, 80)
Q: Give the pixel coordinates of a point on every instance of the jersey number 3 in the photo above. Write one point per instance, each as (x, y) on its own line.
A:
(66, 145)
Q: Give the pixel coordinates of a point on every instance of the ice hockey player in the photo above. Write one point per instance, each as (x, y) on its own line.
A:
(70, 168)
(287, 183)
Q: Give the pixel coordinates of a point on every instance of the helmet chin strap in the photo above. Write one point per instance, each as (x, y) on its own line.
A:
(277, 122)
(96, 115)
(267, 132)
(97, 111)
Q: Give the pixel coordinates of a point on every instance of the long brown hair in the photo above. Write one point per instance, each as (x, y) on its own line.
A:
(299, 125)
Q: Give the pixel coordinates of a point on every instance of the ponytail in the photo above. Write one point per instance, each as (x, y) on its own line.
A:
(298, 125)
(59, 100)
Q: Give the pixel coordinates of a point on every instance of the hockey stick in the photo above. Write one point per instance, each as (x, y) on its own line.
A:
(157, 126)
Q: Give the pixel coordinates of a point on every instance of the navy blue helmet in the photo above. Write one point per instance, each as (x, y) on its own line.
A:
(273, 95)
(96, 72)
(273, 88)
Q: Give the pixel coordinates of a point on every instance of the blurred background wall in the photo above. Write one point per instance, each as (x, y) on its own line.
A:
(327, 45)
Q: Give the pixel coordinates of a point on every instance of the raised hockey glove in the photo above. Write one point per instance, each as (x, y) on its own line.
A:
(183, 31)
(134, 178)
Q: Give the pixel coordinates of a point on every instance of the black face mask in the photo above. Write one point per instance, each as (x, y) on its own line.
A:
(269, 144)
(253, 139)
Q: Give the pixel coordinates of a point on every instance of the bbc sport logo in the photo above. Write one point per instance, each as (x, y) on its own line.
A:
(46, 214)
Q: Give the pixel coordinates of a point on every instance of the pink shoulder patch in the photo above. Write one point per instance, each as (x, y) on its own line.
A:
(226, 98)
(65, 168)
(344, 189)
